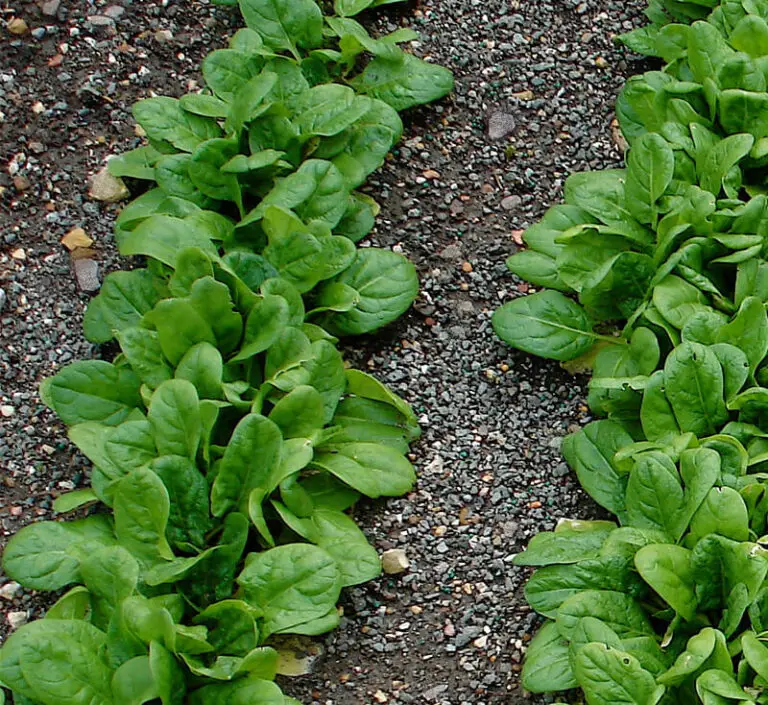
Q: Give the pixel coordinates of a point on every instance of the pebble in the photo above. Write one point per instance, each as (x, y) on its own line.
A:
(9, 590)
(77, 237)
(17, 26)
(511, 202)
(19, 254)
(394, 561)
(16, 619)
(107, 188)
(87, 274)
(500, 125)
(7, 411)
(50, 8)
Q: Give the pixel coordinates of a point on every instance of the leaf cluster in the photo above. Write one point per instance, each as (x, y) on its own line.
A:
(668, 603)
(228, 438)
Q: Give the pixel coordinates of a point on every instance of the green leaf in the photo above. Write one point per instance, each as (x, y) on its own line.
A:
(694, 387)
(251, 454)
(227, 70)
(547, 666)
(162, 237)
(590, 453)
(141, 507)
(552, 585)
(92, 390)
(174, 413)
(404, 82)
(58, 662)
(136, 163)
(748, 331)
(265, 322)
(123, 299)
(47, 555)
(565, 546)
(74, 500)
(144, 353)
(721, 158)
(620, 612)
(609, 676)
(188, 518)
(722, 512)
(203, 367)
(291, 585)
(386, 284)
(163, 119)
(372, 469)
(328, 109)
(180, 326)
(283, 25)
(300, 413)
(667, 569)
(650, 168)
(654, 493)
(546, 324)
(110, 573)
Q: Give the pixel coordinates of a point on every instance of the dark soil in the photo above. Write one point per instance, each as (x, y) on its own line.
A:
(453, 629)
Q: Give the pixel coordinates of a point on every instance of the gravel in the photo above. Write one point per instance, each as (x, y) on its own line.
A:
(536, 83)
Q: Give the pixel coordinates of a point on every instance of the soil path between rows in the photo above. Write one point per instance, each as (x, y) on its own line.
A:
(536, 83)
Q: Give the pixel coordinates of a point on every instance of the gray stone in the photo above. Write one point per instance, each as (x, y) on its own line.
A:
(500, 125)
(511, 202)
(51, 8)
(107, 188)
(87, 274)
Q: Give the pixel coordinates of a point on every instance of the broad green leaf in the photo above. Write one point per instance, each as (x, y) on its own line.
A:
(189, 518)
(263, 326)
(180, 326)
(47, 555)
(248, 461)
(92, 390)
(610, 676)
(299, 414)
(144, 353)
(372, 469)
(723, 512)
(163, 237)
(590, 453)
(386, 284)
(58, 662)
(291, 585)
(110, 573)
(620, 612)
(164, 119)
(285, 26)
(328, 109)
(667, 569)
(227, 70)
(546, 324)
(175, 417)
(552, 585)
(123, 299)
(203, 367)
(650, 167)
(141, 507)
(547, 667)
(654, 493)
(548, 548)
(694, 386)
(404, 82)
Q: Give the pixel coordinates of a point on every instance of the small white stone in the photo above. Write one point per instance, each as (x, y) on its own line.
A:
(7, 411)
(394, 561)
(10, 590)
(16, 619)
(481, 642)
(108, 188)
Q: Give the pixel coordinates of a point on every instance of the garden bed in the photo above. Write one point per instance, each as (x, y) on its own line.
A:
(533, 103)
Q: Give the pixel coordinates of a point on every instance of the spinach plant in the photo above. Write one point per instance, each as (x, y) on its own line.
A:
(229, 440)
(656, 274)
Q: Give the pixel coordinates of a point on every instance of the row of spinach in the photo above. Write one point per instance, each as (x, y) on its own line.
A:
(228, 437)
(669, 602)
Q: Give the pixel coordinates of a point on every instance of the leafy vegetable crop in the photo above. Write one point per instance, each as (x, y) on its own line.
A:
(667, 604)
(228, 438)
